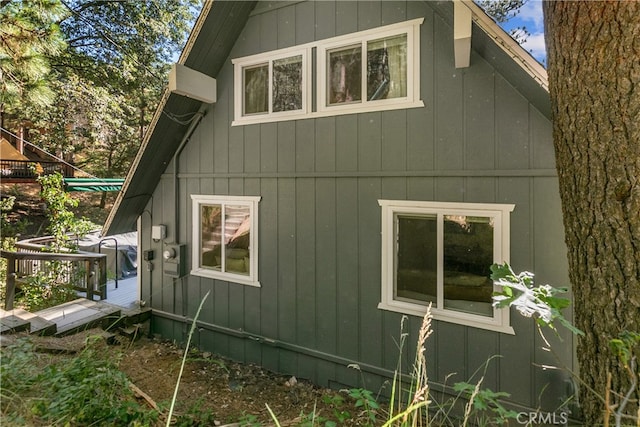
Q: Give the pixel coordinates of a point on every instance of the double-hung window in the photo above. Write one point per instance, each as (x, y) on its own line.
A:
(225, 236)
(441, 253)
(272, 85)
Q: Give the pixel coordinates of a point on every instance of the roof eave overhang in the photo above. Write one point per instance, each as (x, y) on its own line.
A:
(208, 45)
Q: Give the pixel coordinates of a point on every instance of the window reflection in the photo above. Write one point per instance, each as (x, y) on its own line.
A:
(233, 234)
(345, 75)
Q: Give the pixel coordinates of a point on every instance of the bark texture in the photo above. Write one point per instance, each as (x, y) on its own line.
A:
(593, 54)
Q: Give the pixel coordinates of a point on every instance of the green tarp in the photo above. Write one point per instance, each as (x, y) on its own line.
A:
(93, 184)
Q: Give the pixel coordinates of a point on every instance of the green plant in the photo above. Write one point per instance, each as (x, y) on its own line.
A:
(364, 400)
(43, 290)
(485, 403)
(62, 222)
(337, 402)
(625, 348)
(8, 232)
(195, 416)
(88, 390)
(248, 420)
(313, 419)
(541, 303)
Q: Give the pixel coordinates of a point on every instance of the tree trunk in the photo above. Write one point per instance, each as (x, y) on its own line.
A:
(593, 54)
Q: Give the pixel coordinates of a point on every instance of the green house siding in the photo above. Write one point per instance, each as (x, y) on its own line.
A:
(477, 139)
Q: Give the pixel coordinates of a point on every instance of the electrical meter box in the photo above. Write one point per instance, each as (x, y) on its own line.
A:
(174, 260)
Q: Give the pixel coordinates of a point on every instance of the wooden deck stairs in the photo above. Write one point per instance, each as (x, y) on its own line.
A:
(70, 317)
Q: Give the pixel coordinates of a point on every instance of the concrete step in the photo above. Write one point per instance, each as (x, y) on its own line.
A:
(19, 320)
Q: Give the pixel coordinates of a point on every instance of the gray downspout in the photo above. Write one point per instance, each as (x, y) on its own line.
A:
(176, 157)
(176, 198)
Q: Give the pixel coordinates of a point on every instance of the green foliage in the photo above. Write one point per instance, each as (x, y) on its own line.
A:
(62, 221)
(539, 302)
(102, 80)
(9, 229)
(486, 404)
(337, 403)
(195, 416)
(8, 232)
(624, 346)
(313, 419)
(45, 289)
(29, 37)
(365, 400)
(248, 420)
(88, 390)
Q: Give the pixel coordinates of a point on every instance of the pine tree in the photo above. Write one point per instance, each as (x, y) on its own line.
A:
(29, 35)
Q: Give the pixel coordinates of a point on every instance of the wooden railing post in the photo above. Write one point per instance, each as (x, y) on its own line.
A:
(102, 277)
(11, 283)
(91, 282)
(87, 279)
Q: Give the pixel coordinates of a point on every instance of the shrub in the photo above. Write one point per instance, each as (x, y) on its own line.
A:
(88, 390)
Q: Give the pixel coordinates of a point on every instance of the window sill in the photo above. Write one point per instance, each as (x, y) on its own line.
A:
(337, 110)
(450, 316)
(227, 277)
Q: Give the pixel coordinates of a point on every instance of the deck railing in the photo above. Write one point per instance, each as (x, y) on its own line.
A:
(29, 168)
(85, 271)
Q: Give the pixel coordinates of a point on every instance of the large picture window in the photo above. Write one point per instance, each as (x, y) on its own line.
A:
(441, 253)
(225, 238)
(372, 70)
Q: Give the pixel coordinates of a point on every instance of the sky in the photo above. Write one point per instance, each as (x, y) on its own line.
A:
(530, 17)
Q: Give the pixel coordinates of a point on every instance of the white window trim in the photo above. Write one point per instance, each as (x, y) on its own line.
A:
(501, 249)
(269, 57)
(412, 29)
(412, 100)
(196, 270)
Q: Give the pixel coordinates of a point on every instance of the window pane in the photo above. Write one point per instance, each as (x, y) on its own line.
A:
(468, 255)
(344, 75)
(210, 255)
(237, 233)
(287, 84)
(256, 89)
(387, 68)
(416, 258)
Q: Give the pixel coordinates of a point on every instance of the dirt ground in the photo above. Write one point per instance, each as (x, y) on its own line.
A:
(230, 392)
(219, 389)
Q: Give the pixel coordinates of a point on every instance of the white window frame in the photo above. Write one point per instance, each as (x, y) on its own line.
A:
(411, 28)
(197, 269)
(241, 64)
(500, 213)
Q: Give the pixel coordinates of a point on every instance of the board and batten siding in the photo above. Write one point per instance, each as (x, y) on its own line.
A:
(477, 139)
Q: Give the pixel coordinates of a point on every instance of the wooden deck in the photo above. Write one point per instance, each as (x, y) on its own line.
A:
(122, 302)
(126, 295)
